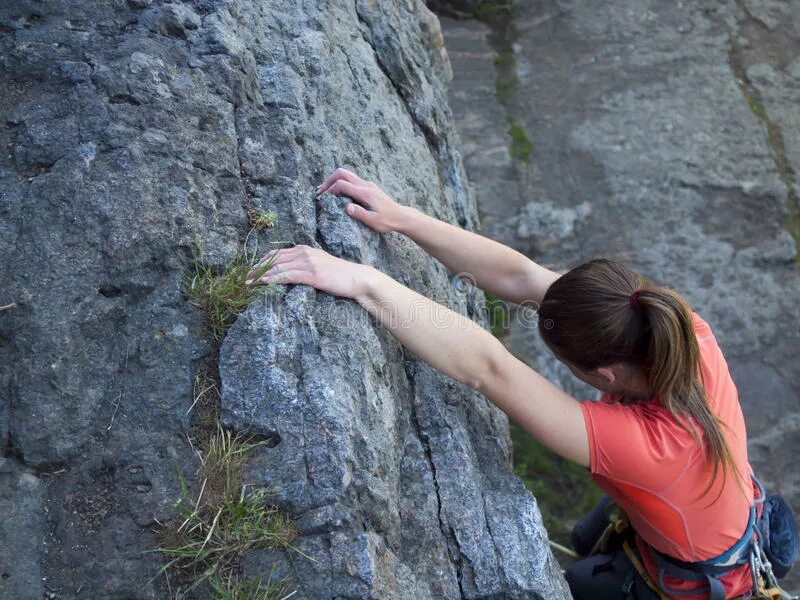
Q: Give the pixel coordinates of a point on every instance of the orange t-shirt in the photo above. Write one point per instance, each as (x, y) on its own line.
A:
(656, 471)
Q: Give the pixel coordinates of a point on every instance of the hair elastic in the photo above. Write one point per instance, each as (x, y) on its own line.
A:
(634, 300)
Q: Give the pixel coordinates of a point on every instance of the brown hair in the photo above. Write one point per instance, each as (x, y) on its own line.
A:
(591, 318)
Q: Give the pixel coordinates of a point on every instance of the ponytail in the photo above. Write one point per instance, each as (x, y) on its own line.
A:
(673, 372)
(601, 313)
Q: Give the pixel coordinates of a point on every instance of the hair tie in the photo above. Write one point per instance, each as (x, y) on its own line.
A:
(634, 300)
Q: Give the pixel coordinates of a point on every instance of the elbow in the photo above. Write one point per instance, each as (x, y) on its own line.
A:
(487, 370)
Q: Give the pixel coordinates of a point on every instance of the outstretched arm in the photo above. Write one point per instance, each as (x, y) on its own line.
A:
(495, 268)
(447, 341)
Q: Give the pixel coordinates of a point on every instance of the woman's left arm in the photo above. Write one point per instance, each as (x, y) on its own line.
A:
(447, 341)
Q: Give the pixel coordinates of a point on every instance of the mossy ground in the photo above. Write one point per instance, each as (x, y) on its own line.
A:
(507, 84)
(521, 146)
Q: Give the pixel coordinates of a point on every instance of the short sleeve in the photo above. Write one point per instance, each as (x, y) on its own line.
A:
(641, 444)
(635, 444)
(714, 368)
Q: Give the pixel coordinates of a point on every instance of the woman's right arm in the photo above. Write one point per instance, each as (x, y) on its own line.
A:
(444, 339)
(494, 267)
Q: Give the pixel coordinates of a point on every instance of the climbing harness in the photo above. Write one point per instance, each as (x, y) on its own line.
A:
(770, 537)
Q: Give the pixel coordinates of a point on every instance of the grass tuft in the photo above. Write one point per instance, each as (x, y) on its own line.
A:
(223, 520)
(233, 589)
(262, 219)
(222, 296)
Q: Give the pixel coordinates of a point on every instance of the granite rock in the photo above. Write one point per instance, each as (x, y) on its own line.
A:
(135, 131)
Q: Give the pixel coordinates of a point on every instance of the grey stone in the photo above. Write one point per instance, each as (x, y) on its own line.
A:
(678, 124)
(21, 529)
(134, 131)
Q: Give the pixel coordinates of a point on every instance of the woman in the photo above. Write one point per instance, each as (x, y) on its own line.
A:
(667, 442)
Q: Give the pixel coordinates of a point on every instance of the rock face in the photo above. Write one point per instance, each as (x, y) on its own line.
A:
(133, 131)
(666, 135)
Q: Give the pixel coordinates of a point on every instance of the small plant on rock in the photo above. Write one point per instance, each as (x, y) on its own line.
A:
(222, 521)
(222, 296)
(263, 219)
(234, 589)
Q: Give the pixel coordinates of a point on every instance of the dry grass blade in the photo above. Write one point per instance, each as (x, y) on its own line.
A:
(222, 296)
(224, 520)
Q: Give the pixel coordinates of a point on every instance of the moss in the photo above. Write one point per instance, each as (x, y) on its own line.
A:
(758, 108)
(775, 141)
(504, 60)
(521, 146)
(506, 88)
(489, 10)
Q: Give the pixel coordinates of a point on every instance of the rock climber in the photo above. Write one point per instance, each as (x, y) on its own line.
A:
(666, 441)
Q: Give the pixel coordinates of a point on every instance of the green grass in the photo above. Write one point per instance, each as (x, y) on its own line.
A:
(262, 219)
(233, 589)
(521, 147)
(563, 489)
(222, 520)
(222, 296)
(498, 315)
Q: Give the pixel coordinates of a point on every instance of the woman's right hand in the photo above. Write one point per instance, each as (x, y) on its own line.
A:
(371, 205)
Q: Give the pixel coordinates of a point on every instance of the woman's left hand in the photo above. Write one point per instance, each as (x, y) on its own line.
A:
(314, 267)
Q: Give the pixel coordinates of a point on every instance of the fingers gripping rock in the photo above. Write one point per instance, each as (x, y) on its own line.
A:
(342, 236)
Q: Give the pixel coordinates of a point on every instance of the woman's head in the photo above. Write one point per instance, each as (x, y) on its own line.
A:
(622, 334)
(591, 322)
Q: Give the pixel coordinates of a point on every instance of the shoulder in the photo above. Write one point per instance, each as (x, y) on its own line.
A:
(638, 443)
(714, 368)
(701, 329)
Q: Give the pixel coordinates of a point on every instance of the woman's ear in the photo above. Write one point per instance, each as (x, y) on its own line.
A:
(606, 374)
